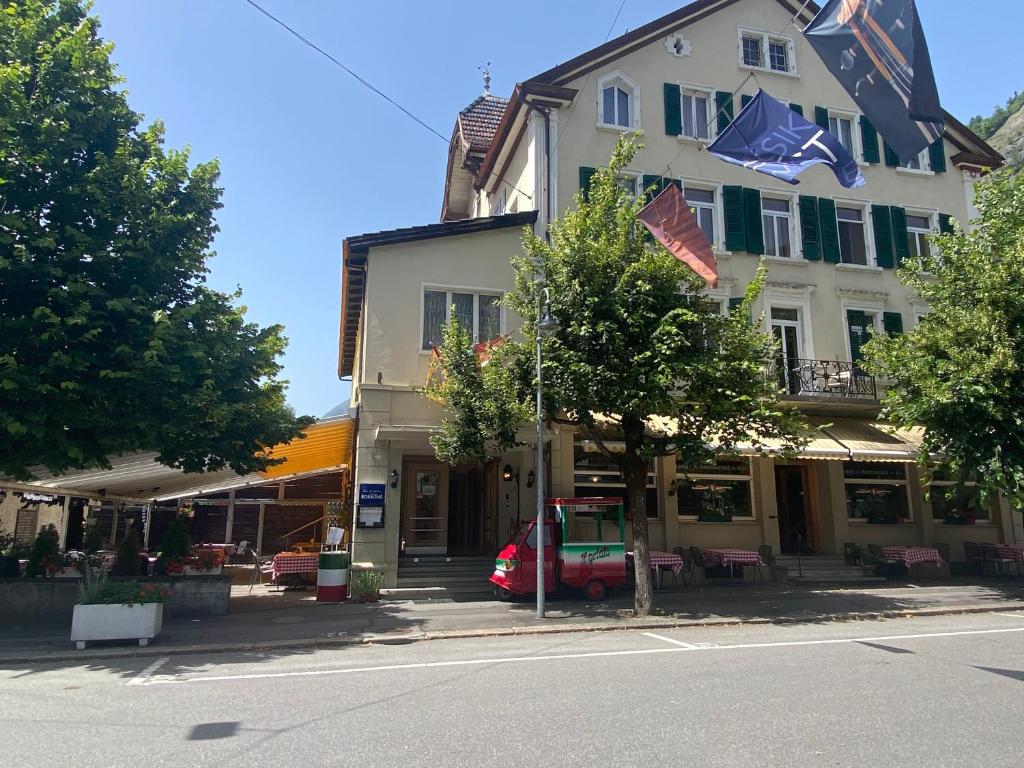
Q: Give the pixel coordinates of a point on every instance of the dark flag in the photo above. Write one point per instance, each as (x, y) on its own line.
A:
(878, 52)
(769, 137)
(670, 220)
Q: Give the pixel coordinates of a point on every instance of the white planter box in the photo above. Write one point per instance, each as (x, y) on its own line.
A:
(191, 570)
(67, 573)
(141, 621)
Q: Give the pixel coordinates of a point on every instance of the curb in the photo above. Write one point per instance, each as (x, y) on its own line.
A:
(459, 634)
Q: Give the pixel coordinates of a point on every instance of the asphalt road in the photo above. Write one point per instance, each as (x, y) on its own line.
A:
(910, 692)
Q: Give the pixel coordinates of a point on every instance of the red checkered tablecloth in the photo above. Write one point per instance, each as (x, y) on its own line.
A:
(658, 559)
(732, 557)
(911, 555)
(286, 562)
(1010, 552)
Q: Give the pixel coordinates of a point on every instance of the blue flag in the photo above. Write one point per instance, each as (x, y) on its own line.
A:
(877, 51)
(769, 137)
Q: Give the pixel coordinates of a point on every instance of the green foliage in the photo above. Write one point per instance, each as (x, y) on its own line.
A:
(98, 590)
(961, 371)
(111, 341)
(987, 126)
(368, 584)
(127, 561)
(175, 546)
(45, 552)
(10, 553)
(482, 404)
(93, 541)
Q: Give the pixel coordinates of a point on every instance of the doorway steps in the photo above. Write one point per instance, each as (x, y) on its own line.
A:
(442, 577)
(822, 569)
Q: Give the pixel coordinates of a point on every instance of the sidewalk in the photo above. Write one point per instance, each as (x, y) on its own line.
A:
(278, 621)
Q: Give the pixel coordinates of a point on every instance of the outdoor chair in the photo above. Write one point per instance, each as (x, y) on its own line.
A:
(943, 550)
(991, 554)
(975, 556)
(765, 552)
(264, 565)
(241, 553)
(687, 568)
(874, 557)
(697, 558)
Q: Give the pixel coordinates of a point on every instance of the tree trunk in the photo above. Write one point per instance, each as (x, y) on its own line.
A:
(636, 493)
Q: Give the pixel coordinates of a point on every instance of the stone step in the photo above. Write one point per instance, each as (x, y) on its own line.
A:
(440, 594)
(444, 581)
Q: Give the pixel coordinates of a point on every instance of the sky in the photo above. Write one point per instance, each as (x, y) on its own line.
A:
(309, 156)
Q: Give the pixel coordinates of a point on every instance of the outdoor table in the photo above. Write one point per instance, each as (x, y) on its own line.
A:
(224, 549)
(1014, 552)
(294, 565)
(909, 556)
(732, 557)
(657, 560)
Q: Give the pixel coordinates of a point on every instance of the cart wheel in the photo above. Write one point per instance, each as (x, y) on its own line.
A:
(503, 594)
(595, 590)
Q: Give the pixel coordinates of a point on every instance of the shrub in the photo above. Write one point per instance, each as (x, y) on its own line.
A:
(99, 591)
(10, 553)
(127, 562)
(45, 556)
(368, 584)
(93, 541)
(175, 546)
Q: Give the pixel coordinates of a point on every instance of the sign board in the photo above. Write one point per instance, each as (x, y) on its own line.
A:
(370, 511)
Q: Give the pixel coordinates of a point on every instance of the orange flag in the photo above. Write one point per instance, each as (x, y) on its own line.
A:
(670, 220)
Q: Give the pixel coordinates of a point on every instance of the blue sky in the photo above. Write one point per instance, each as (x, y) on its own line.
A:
(308, 156)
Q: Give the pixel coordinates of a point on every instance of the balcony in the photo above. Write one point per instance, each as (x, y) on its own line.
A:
(800, 378)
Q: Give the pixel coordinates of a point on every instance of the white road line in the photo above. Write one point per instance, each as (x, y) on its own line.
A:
(144, 675)
(680, 643)
(1009, 615)
(589, 655)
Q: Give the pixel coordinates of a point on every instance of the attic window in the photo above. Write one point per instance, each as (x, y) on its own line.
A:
(618, 104)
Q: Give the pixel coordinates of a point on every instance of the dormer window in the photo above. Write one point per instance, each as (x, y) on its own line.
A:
(767, 52)
(617, 102)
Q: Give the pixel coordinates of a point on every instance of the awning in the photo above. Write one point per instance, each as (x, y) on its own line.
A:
(869, 441)
(819, 446)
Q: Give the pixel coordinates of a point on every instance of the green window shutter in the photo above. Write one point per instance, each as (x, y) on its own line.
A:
(891, 158)
(809, 228)
(735, 226)
(945, 223)
(892, 322)
(821, 117)
(586, 174)
(900, 236)
(869, 141)
(657, 182)
(881, 221)
(744, 100)
(752, 217)
(673, 110)
(857, 324)
(797, 108)
(937, 155)
(723, 108)
(829, 230)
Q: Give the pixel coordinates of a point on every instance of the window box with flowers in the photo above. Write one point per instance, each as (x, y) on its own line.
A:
(118, 610)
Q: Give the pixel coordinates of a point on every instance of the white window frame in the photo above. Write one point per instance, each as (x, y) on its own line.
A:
(695, 89)
(857, 150)
(772, 194)
(933, 223)
(924, 159)
(869, 240)
(450, 289)
(896, 483)
(621, 80)
(748, 478)
(717, 247)
(638, 180)
(766, 37)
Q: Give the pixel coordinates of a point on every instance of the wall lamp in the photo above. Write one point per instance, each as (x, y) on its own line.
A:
(531, 479)
(394, 478)
(507, 474)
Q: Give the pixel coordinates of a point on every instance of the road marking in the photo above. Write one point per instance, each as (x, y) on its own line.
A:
(680, 643)
(143, 677)
(1009, 615)
(564, 656)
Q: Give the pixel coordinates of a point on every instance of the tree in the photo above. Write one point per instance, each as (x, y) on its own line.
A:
(110, 342)
(640, 357)
(960, 372)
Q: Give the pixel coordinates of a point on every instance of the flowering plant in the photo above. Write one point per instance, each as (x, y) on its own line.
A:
(207, 559)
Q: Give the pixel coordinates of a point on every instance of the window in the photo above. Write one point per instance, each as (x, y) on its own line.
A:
(772, 53)
(480, 314)
(876, 491)
(859, 327)
(696, 114)
(776, 224)
(786, 329)
(702, 203)
(617, 98)
(918, 229)
(853, 247)
(633, 183)
(919, 163)
(842, 129)
(713, 490)
(500, 202)
(597, 475)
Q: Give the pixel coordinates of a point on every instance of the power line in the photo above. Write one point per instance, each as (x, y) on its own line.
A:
(362, 81)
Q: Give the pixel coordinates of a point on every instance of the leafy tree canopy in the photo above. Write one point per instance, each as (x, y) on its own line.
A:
(640, 357)
(110, 341)
(987, 126)
(960, 373)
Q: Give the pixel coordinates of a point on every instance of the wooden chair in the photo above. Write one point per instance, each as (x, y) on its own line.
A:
(687, 570)
(261, 565)
(765, 552)
(991, 554)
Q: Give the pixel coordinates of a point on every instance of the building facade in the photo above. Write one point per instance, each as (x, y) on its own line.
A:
(831, 255)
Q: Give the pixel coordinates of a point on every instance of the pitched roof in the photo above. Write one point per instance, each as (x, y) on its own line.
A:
(480, 119)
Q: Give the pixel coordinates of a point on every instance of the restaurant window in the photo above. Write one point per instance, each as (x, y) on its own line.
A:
(478, 313)
(876, 491)
(714, 489)
(853, 247)
(953, 499)
(597, 475)
(775, 219)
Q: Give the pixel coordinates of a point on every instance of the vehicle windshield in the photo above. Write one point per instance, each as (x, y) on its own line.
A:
(520, 535)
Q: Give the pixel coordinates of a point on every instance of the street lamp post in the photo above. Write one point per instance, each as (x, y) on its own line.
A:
(547, 326)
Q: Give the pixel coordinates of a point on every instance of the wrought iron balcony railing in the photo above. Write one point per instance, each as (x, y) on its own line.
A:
(823, 378)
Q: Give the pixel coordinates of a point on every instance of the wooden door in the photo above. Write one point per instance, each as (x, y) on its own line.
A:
(425, 507)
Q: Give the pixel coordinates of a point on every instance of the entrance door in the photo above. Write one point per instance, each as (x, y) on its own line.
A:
(425, 507)
(791, 500)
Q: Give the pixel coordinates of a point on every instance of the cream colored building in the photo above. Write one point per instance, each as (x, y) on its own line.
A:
(830, 253)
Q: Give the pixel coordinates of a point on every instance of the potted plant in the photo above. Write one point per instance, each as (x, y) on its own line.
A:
(205, 562)
(127, 561)
(174, 549)
(368, 584)
(117, 610)
(45, 559)
(959, 517)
